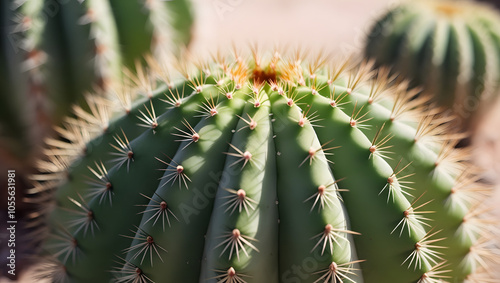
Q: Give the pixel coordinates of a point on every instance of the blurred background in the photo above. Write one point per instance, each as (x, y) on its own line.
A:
(336, 27)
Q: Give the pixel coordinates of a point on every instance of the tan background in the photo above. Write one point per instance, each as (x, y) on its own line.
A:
(336, 25)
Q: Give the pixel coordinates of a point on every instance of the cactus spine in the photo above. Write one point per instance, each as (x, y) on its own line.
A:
(450, 48)
(265, 170)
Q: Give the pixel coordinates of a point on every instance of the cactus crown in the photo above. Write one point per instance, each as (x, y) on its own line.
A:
(262, 170)
(448, 8)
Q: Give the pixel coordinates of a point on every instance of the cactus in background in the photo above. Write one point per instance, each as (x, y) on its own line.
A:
(263, 170)
(450, 48)
(55, 51)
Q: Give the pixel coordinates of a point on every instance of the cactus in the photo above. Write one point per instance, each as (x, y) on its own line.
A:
(53, 52)
(264, 170)
(450, 48)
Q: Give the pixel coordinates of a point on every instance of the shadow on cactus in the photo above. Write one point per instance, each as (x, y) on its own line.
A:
(450, 48)
(264, 169)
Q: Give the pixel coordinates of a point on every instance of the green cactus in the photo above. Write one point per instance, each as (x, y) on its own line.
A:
(53, 52)
(450, 48)
(264, 170)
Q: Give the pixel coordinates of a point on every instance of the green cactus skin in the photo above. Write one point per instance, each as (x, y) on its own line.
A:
(266, 170)
(450, 48)
(56, 51)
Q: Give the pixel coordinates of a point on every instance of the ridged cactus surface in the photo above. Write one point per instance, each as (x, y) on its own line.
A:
(53, 52)
(450, 48)
(267, 169)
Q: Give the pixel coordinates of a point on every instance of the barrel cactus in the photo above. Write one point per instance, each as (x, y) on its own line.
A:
(53, 52)
(450, 48)
(265, 169)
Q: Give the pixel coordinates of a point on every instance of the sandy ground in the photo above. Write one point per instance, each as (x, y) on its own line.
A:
(337, 27)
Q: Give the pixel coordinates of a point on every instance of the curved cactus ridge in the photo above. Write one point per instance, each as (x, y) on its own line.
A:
(56, 51)
(264, 170)
(450, 48)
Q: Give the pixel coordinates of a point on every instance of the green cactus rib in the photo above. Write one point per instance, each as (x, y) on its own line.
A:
(265, 172)
(245, 208)
(449, 48)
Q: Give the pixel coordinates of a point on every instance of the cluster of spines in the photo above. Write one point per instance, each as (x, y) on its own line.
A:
(426, 255)
(460, 196)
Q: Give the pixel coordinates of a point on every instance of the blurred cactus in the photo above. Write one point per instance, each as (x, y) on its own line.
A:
(266, 169)
(53, 52)
(450, 48)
